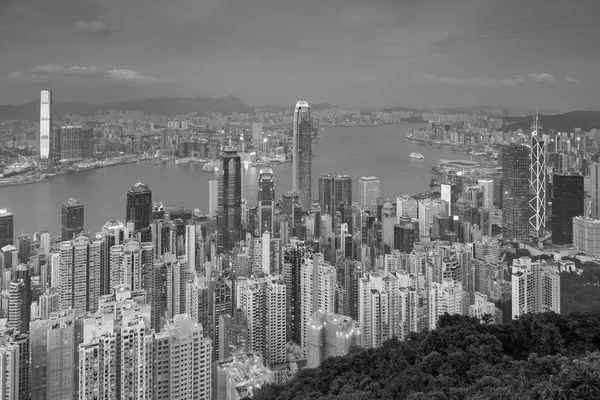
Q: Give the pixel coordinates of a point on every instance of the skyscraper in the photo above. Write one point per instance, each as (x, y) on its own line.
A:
(139, 206)
(6, 228)
(213, 198)
(537, 182)
(302, 154)
(326, 193)
(567, 203)
(369, 191)
(229, 221)
(515, 182)
(342, 191)
(45, 123)
(266, 200)
(74, 143)
(72, 219)
(488, 192)
(595, 189)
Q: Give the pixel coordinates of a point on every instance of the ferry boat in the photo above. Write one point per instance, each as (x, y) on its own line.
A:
(418, 156)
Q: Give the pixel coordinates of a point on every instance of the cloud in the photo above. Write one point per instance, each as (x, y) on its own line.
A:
(570, 79)
(469, 82)
(543, 77)
(26, 77)
(95, 27)
(130, 75)
(54, 72)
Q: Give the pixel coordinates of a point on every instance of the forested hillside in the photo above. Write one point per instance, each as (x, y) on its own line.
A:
(542, 356)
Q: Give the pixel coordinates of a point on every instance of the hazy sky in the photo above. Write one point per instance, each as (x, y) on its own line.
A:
(364, 53)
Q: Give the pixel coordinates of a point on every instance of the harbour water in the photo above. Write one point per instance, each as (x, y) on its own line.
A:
(355, 151)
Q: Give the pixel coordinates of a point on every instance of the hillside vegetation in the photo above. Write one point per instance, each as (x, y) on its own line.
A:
(542, 356)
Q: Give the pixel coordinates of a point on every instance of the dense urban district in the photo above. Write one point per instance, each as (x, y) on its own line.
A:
(485, 286)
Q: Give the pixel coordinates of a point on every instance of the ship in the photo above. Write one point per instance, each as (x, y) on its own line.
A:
(418, 156)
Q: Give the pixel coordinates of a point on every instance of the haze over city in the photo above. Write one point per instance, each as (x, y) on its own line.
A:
(534, 54)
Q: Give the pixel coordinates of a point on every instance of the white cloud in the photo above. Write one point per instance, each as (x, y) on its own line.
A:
(94, 27)
(129, 75)
(25, 77)
(469, 82)
(543, 77)
(570, 79)
(59, 69)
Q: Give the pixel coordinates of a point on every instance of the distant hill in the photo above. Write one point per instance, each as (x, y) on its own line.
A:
(566, 122)
(169, 106)
(493, 111)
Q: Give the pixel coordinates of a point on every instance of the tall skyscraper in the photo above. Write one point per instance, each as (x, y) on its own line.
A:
(266, 200)
(537, 182)
(487, 185)
(302, 154)
(139, 206)
(595, 190)
(72, 219)
(515, 182)
(229, 221)
(567, 203)
(342, 185)
(74, 143)
(326, 193)
(369, 191)
(6, 228)
(45, 123)
(213, 198)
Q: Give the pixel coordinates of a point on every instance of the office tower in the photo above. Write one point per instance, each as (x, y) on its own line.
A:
(342, 191)
(595, 190)
(183, 357)
(75, 143)
(229, 220)
(266, 253)
(535, 288)
(444, 297)
(404, 237)
(446, 195)
(45, 123)
(537, 182)
(487, 185)
(407, 205)
(326, 189)
(257, 134)
(302, 154)
(139, 206)
(330, 335)
(190, 247)
(368, 190)
(515, 182)
(213, 197)
(24, 242)
(567, 203)
(72, 219)
(427, 209)
(586, 235)
(6, 228)
(266, 200)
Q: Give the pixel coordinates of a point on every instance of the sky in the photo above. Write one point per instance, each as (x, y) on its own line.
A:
(354, 53)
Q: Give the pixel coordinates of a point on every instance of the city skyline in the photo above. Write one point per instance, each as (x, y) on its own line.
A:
(389, 52)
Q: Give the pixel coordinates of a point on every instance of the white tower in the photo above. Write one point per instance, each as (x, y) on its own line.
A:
(45, 123)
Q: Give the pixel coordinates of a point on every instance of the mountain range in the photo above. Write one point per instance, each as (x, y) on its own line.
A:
(566, 122)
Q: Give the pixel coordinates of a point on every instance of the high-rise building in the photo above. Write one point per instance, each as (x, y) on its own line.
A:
(537, 182)
(213, 198)
(586, 235)
(45, 123)
(276, 324)
(404, 237)
(595, 190)
(139, 206)
(326, 193)
(515, 199)
(72, 219)
(427, 209)
(535, 288)
(6, 228)
(487, 185)
(446, 195)
(266, 200)
(369, 191)
(302, 154)
(229, 220)
(74, 263)
(24, 242)
(184, 355)
(330, 335)
(567, 203)
(444, 297)
(74, 143)
(257, 134)
(342, 191)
